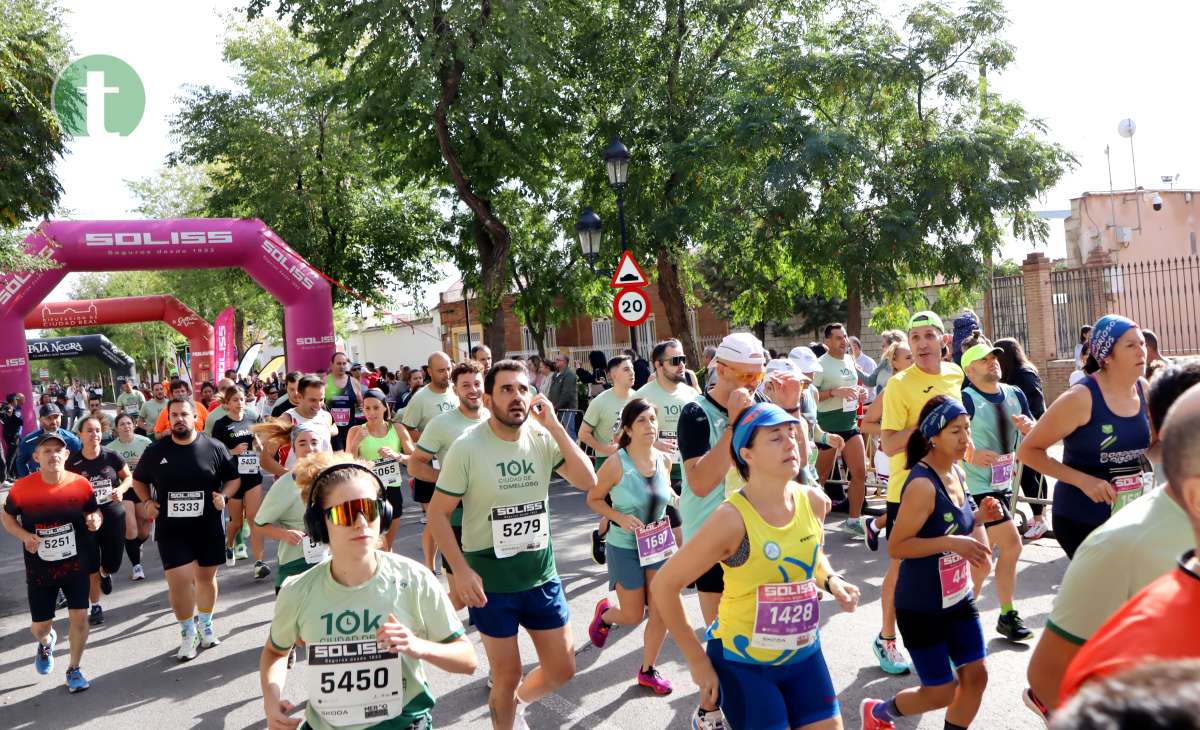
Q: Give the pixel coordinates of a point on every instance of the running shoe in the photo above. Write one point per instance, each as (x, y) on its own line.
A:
(240, 552)
(208, 636)
(96, 617)
(105, 584)
(491, 683)
(853, 525)
(138, 573)
(519, 722)
(261, 570)
(43, 661)
(424, 519)
(1012, 627)
(869, 721)
(76, 682)
(1036, 530)
(61, 601)
(871, 532)
(655, 681)
(189, 643)
(598, 632)
(708, 720)
(230, 558)
(1035, 705)
(598, 544)
(891, 659)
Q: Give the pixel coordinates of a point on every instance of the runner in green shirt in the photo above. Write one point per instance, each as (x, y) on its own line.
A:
(668, 393)
(839, 393)
(130, 400)
(426, 460)
(500, 471)
(601, 423)
(370, 620)
(151, 408)
(129, 446)
(432, 400)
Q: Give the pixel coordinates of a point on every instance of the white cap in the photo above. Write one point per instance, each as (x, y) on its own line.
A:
(741, 348)
(781, 365)
(806, 360)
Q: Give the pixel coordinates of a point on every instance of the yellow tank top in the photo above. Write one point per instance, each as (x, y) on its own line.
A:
(767, 555)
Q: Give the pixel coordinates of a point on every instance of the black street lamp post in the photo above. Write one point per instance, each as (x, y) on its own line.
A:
(588, 227)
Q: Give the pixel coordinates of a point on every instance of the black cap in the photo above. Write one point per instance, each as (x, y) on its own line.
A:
(49, 410)
(51, 436)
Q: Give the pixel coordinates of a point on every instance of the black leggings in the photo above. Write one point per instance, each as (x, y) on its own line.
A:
(1071, 533)
(1033, 484)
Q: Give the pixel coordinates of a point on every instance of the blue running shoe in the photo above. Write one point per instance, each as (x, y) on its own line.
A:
(44, 661)
(76, 682)
(891, 659)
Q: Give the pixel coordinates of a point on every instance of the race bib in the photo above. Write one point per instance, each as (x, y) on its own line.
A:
(955, 575)
(520, 528)
(103, 489)
(57, 543)
(247, 463)
(341, 416)
(1002, 472)
(850, 405)
(655, 542)
(669, 437)
(786, 615)
(355, 682)
(388, 471)
(185, 504)
(1129, 488)
(314, 552)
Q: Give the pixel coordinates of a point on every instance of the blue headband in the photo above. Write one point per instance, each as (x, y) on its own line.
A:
(757, 416)
(1105, 333)
(947, 411)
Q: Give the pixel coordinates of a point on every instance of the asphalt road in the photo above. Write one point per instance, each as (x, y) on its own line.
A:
(137, 683)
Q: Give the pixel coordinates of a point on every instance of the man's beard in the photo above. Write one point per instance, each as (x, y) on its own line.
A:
(506, 416)
(472, 407)
(674, 378)
(182, 430)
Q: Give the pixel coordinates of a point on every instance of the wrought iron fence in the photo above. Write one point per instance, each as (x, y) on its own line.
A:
(1161, 295)
(1007, 294)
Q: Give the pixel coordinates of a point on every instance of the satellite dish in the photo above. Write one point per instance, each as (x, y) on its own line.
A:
(1126, 128)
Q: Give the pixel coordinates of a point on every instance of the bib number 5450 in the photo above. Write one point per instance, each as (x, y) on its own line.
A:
(351, 680)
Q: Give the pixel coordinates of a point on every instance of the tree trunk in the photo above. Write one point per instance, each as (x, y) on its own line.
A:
(670, 291)
(853, 310)
(489, 300)
(239, 332)
(760, 331)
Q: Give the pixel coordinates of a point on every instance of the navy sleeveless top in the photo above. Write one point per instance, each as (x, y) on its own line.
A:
(920, 585)
(1107, 446)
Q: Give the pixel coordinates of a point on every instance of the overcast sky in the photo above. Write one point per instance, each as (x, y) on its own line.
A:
(1082, 66)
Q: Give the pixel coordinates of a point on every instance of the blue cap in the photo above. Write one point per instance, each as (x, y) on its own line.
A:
(757, 416)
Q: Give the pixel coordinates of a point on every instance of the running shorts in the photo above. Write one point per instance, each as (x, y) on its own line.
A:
(624, 568)
(934, 640)
(1005, 500)
(537, 609)
(846, 436)
(206, 549)
(42, 598)
(713, 580)
(395, 497)
(109, 540)
(422, 491)
(458, 539)
(774, 697)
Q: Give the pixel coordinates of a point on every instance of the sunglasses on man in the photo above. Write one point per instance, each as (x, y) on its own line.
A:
(676, 361)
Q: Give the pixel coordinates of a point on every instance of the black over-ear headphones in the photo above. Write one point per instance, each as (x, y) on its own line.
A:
(314, 516)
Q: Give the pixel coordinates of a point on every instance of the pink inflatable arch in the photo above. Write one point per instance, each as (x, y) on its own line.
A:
(184, 243)
(125, 310)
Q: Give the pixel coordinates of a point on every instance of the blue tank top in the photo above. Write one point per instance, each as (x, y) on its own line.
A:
(931, 584)
(643, 497)
(1107, 446)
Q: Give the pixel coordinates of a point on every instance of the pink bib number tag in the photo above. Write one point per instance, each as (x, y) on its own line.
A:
(786, 615)
(1129, 488)
(1002, 472)
(655, 542)
(341, 416)
(955, 574)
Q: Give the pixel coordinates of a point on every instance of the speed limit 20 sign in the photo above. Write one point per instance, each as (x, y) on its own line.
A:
(631, 307)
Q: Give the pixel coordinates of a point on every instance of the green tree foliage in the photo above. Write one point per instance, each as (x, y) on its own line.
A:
(33, 49)
(282, 148)
(472, 97)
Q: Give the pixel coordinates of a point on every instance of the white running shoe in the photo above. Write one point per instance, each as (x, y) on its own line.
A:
(138, 573)
(519, 722)
(240, 552)
(208, 636)
(188, 645)
(710, 720)
(1036, 530)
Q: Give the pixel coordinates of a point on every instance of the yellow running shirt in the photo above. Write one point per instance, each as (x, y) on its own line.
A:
(906, 394)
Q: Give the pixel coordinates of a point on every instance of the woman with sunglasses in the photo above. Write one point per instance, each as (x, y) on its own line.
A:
(371, 620)
(763, 660)
(939, 536)
(637, 480)
(129, 446)
(378, 441)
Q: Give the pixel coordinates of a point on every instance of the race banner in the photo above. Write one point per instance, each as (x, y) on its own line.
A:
(224, 350)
